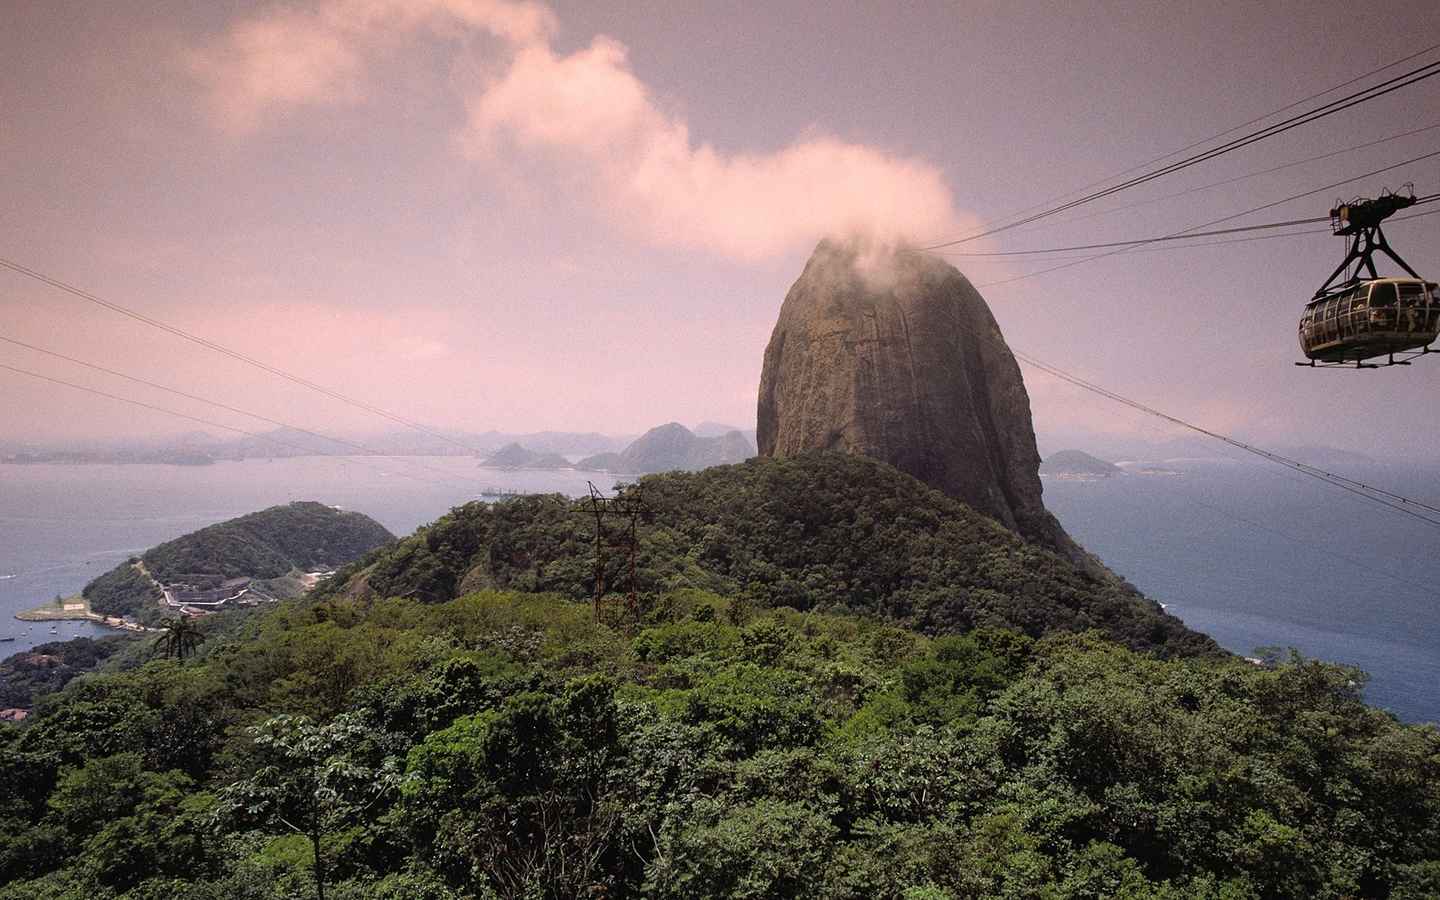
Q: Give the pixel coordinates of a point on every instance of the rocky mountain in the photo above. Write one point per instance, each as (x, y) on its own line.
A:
(515, 456)
(903, 362)
(672, 447)
(1078, 463)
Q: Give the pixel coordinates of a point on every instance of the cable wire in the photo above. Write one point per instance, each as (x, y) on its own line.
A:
(1328, 552)
(1371, 93)
(226, 351)
(1235, 180)
(1274, 112)
(1192, 228)
(1420, 201)
(1398, 502)
(353, 445)
(197, 419)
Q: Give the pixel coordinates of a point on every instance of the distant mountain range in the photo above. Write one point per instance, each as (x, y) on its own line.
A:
(667, 448)
(199, 448)
(673, 447)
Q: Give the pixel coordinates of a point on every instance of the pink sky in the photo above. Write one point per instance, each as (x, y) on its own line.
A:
(486, 214)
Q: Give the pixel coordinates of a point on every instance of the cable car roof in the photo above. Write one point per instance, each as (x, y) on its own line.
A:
(1366, 282)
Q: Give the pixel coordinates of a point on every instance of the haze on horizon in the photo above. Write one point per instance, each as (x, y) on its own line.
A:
(486, 214)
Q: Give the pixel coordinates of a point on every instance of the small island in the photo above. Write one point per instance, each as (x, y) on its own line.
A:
(275, 554)
(517, 456)
(1077, 465)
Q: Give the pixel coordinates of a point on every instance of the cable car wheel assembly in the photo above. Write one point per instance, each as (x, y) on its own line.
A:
(1345, 325)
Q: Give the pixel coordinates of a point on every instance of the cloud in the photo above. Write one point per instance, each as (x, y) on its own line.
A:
(291, 57)
(588, 111)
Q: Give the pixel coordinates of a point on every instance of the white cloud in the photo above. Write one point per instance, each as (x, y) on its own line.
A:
(589, 111)
(297, 56)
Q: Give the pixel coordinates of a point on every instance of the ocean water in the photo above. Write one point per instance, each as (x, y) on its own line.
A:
(1249, 553)
(62, 525)
(1255, 555)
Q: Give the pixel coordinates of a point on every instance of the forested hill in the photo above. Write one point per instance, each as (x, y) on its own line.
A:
(826, 531)
(509, 745)
(268, 544)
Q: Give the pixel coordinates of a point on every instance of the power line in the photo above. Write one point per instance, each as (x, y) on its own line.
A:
(197, 419)
(1398, 502)
(1236, 179)
(1274, 112)
(1138, 241)
(1192, 228)
(1179, 236)
(226, 351)
(353, 445)
(1371, 93)
(972, 258)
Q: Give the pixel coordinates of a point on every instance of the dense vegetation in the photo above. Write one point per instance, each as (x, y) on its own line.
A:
(266, 544)
(122, 591)
(270, 543)
(827, 532)
(507, 745)
(49, 667)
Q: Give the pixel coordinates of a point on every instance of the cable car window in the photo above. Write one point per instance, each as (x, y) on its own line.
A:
(1382, 295)
(1412, 294)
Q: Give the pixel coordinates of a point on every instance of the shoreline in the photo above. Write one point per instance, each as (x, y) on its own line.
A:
(50, 612)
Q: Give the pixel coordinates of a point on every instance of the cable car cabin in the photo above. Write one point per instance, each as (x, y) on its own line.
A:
(1370, 318)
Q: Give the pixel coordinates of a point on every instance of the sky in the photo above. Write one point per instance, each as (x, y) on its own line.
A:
(488, 214)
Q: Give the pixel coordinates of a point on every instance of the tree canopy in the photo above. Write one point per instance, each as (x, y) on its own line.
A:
(811, 699)
(826, 532)
(267, 544)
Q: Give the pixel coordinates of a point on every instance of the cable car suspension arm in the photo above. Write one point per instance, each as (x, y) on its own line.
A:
(1362, 218)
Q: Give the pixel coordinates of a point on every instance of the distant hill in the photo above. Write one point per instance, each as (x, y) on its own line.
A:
(604, 462)
(718, 429)
(271, 544)
(1077, 462)
(514, 456)
(672, 447)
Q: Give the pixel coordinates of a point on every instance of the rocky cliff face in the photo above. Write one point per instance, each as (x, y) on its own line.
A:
(905, 365)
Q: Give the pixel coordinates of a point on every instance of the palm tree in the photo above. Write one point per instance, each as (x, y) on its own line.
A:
(180, 638)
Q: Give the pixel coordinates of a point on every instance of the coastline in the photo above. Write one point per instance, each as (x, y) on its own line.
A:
(77, 609)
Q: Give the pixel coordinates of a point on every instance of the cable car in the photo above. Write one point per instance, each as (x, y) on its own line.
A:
(1366, 318)
(1371, 318)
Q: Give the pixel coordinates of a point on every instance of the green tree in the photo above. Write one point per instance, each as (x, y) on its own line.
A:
(180, 638)
(313, 780)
